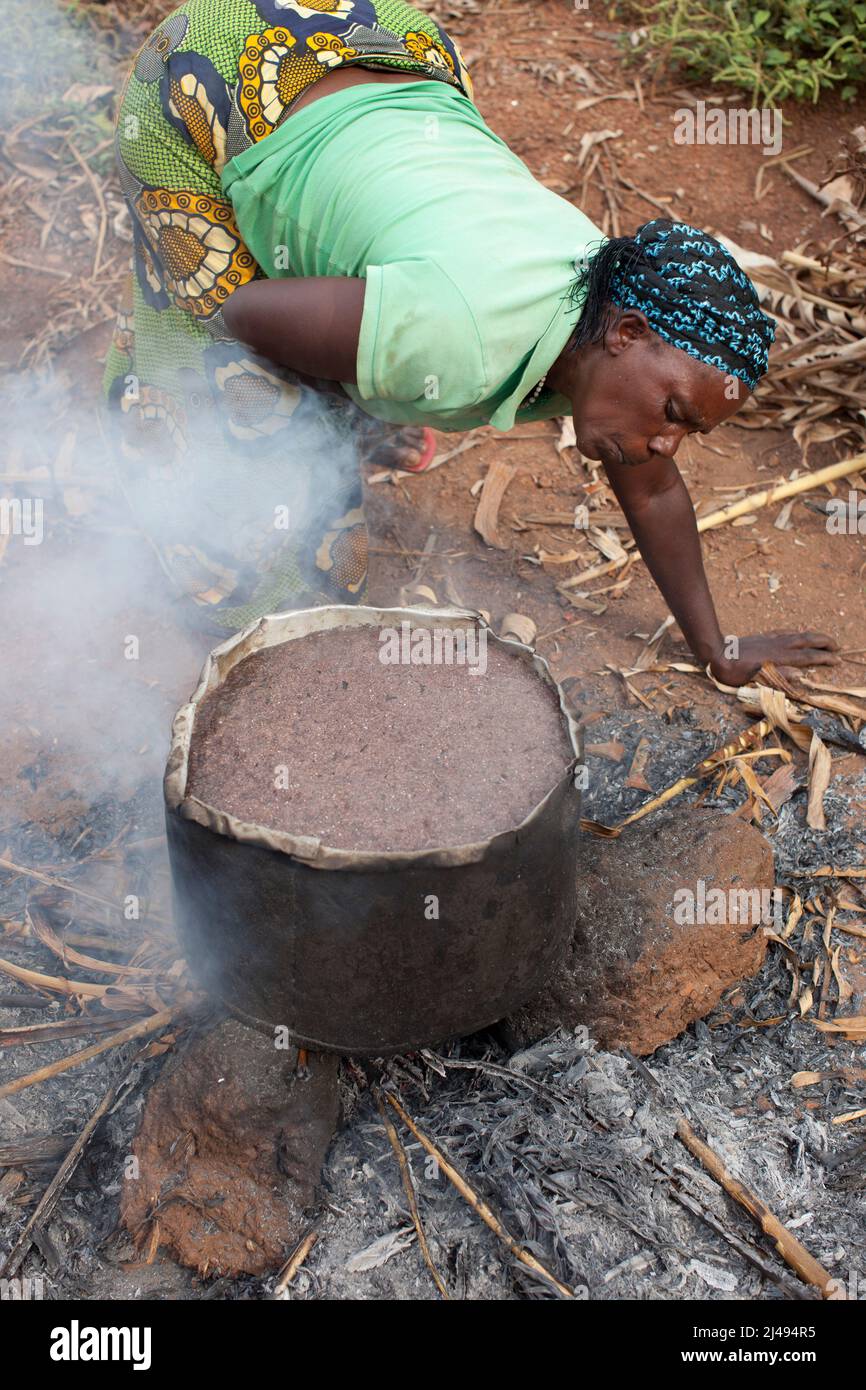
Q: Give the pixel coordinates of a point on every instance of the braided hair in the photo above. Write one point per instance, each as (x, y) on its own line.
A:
(690, 289)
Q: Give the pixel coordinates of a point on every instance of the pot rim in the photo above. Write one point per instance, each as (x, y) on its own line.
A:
(277, 628)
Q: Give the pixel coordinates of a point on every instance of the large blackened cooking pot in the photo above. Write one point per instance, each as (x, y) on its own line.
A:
(338, 946)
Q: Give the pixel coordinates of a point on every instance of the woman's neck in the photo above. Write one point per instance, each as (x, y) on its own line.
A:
(564, 373)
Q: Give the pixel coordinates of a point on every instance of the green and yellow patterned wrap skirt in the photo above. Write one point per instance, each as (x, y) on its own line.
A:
(245, 478)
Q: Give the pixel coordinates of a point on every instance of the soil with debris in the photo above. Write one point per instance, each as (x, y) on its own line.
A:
(322, 737)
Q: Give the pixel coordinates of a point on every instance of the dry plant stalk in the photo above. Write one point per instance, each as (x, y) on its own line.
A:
(55, 984)
(499, 475)
(135, 1030)
(66, 1028)
(847, 1118)
(812, 1078)
(788, 1246)
(730, 751)
(820, 768)
(293, 1264)
(837, 701)
(409, 1189)
(478, 1205)
(852, 1027)
(50, 882)
(50, 1196)
(765, 498)
(46, 934)
(111, 996)
(779, 713)
(816, 293)
(828, 871)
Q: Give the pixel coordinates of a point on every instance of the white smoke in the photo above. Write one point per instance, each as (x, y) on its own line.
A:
(98, 646)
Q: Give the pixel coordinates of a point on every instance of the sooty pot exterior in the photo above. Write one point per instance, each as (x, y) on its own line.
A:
(361, 952)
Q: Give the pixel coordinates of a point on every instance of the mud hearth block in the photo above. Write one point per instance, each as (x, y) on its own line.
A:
(230, 1151)
(669, 916)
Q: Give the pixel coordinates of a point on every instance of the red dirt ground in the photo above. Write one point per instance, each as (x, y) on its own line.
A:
(821, 584)
(509, 48)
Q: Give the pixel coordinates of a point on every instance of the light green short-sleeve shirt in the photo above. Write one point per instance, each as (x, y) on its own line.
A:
(468, 259)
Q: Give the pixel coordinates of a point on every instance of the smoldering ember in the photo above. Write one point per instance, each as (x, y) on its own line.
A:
(433, 850)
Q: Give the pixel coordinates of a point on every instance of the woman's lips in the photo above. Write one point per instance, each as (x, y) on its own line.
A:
(620, 457)
(611, 452)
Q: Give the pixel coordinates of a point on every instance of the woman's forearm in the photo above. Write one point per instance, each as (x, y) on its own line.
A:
(664, 527)
(659, 511)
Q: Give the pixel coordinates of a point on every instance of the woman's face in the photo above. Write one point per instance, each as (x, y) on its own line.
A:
(634, 397)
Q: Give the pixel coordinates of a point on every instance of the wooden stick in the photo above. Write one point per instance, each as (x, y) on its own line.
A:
(478, 1205)
(54, 1189)
(293, 1264)
(788, 1246)
(135, 1030)
(408, 1188)
(55, 883)
(55, 983)
(66, 1028)
(765, 498)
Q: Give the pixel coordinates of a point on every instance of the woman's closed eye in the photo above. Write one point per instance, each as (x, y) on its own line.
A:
(673, 414)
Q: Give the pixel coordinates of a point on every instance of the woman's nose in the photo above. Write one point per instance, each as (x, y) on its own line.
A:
(666, 444)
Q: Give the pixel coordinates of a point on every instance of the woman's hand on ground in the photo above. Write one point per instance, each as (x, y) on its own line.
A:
(781, 648)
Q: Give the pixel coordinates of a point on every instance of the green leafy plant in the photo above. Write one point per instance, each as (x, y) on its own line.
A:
(784, 49)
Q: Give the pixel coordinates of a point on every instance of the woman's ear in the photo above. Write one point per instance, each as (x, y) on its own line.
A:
(629, 326)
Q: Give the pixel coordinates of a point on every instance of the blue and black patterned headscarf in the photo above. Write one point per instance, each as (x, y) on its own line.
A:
(691, 290)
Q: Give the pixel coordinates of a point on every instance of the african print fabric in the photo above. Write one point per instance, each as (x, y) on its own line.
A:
(206, 422)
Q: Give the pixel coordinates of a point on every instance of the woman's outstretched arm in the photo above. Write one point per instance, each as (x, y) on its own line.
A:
(309, 324)
(659, 511)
